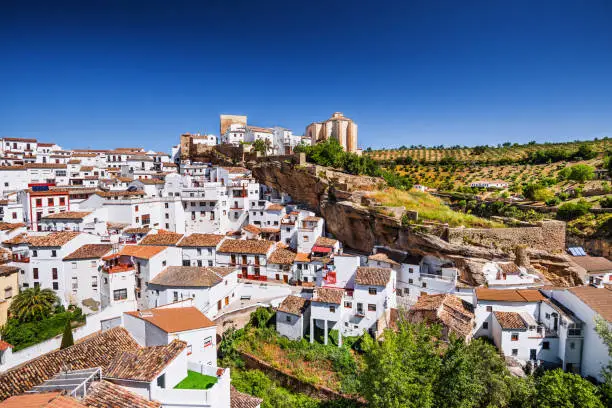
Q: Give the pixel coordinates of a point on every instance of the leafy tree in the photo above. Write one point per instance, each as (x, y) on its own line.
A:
(261, 146)
(581, 173)
(606, 202)
(67, 339)
(556, 389)
(261, 317)
(401, 370)
(33, 304)
(603, 329)
(570, 211)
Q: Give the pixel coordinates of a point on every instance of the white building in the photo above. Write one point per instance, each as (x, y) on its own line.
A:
(82, 274)
(251, 256)
(211, 289)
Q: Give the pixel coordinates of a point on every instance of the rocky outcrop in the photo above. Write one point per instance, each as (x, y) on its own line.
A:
(361, 224)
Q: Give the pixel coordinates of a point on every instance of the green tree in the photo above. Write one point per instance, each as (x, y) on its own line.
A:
(261, 146)
(401, 370)
(570, 211)
(603, 329)
(33, 304)
(581, 173)
(67, 339)
(556, 389)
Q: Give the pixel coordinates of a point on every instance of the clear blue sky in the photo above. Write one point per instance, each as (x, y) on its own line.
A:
(115, 73)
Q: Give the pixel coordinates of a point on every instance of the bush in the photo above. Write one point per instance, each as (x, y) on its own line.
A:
(261, 317)
(606, 202)
(570, 211)
(578, 172)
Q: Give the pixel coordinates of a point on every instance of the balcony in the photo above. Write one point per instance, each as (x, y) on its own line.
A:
(117, 268)
(436, 277)
(21, 258)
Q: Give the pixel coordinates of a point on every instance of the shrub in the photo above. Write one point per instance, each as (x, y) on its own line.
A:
(570, 211)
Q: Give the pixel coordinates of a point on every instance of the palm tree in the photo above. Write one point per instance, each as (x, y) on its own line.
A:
(33, 304)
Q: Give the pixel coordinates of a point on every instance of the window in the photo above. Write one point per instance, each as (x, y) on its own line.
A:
(515, 352)
(54, 273)
(410, 281)
(163, 263)
(288, 319)
(514, 337)
(371, 307)
(34, 253)
(165, 205)
(39, 202)
(137, 219)
(547, 315)
(135, 208)
(199, 262)
(167, 226)
(50, 202)
(572, 345)
(55, 286)
(546, 345)
(36, 284)
(120, 294)
(167, 216)
(93, 264)
(406, 291)
(305, 238)
(74, 265)
(489, 308)
(62, 201)
(94, 281)
(8, 292)
(210, 263)
(14, 215)
(53, 253)
(161, 381)
(485, 325)
(372, 291)
(410, 270)
(332, 309)
(75, 284)
(175, 294)
(189, 349)
(348, 305)
(186, 262)
(424, 284)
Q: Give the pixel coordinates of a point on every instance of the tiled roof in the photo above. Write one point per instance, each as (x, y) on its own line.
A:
(326, 242)
(282, 256)
(188, 276)
(382, 257)
(86, 168)
(41, 400)
(144, 364)
(509, 295)
(142, 251)
(174, 319)
(124, 193)
(598, 299)
(328, 295)
(236, 170)
(162, 238)
(6, 270)
(593, 264)
(18, 239)
(15, 167)
(509, 268)
(95, 351)
(253, 229)
(242, 400)
(137, 230)
(449, 310)
(373, 276)
(510, 320)
(105, 394)
(246, 246)
(9, 226)
(89, 251)
(294, 305)
(152, 181)
(67, 215)
(275, 207)
(201, 240)
(53, 239)
(45, 166)
(19, 139)
(74, 161)
(4, 345)
(302, 257)
(311, 218)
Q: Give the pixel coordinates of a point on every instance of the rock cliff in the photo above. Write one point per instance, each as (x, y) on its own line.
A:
(360, 224)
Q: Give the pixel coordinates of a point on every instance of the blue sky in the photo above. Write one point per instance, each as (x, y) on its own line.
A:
(114, 73)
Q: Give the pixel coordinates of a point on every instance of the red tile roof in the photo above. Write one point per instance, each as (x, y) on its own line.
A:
(53, 239)
(162, 238)
(142, 251)
(246, 246)
(188, 276)
(510, 320)
(201, 240)
(89, 251)
(174, 319)
(144, 364)
(105, 394)
(294, 305)
(373, 276)
(328, 295)
(509, 295)
(598, 299)
(41, 400)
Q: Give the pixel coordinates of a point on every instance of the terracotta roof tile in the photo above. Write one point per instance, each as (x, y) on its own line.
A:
(95, 351)
(6, 270)
(174, 319)
(509, 295)
(328, 295)
(510, 320)
(382, 257)
(241, 400)
(311, 218)
(246, 246)
(188, 276)
(142, 251)
(144, 364)
(509, 268)
(593, 264)
(41, 400)
(302, 257)
(598, 299)
(275, 207)
(294, 305)
(67, 215)
(367, 275)
(124, 193)
(162, 238)
(105, 394)
(282, 256)
(9, 226)
(253, 229)
(236, 170)
(326, 242)
(137, 230)
(18, 239)
(53, 239)
(201, 240)
(89, 251)
(449, 310)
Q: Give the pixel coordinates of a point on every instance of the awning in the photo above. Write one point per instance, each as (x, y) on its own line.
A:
(322, 249)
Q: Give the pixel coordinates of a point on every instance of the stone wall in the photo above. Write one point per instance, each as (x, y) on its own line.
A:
(289, 381)
(547, 236)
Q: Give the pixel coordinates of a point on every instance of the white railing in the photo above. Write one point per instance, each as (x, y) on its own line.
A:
(218, 396)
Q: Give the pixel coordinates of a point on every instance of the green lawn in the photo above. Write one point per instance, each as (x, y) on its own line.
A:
(196, 381)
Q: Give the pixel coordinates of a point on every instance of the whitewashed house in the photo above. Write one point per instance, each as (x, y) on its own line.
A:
(200, 249)
(82, 274)
(293, 317)
(250, 256)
